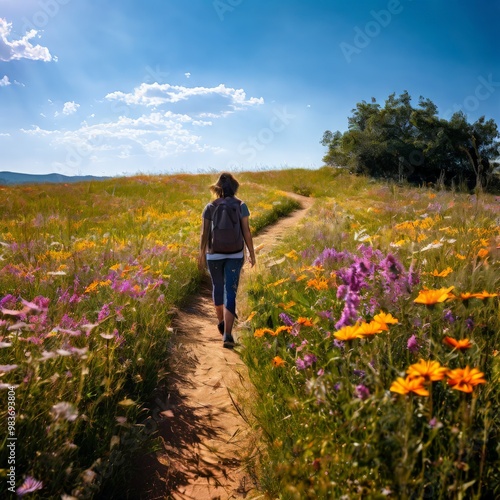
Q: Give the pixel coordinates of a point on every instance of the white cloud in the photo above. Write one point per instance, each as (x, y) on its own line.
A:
(11, 50)
(70, 108)
(156, 94)
(3, 134)
(157, 134)
(187, 75)
(4, 81)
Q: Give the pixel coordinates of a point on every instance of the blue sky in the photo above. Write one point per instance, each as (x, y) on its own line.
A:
(114, 87)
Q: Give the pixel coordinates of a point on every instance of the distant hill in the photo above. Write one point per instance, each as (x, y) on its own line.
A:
(10, 178)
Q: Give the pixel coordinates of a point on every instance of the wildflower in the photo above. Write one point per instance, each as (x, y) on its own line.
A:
(385, 319)
(288, 305)
(29, 485)
(372, 328)
(465, 379)
(277, 361)
(448, 316)
(7, 368)
(460, 256)
(65, 411)
(443, 273)
(362, 392)
(484, 295)
(318, 284)
(304, 321)
(347, 333)
(469, 323)
(260, 332)
(413, 344)
(431, 297)
(409, 384)
(461, 345)
(282, 329)
(286, 319)
(429, 370)
(483, 252)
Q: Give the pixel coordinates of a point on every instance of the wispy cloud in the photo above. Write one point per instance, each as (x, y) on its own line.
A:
(156, 94)
(4, 81)
(11, 50)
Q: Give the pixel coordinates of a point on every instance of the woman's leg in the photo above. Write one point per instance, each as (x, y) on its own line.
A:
(232, 270)
(216, 270)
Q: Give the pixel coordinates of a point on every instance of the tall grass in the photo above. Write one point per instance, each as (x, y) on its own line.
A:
(326, 358)
(90, 275)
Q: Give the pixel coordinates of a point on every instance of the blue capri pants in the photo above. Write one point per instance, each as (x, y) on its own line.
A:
(225, 274)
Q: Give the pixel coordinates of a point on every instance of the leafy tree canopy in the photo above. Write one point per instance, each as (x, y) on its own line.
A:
(402, 142)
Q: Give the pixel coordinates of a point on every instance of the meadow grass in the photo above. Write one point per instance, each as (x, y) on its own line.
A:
(90, 276)
(359, 333)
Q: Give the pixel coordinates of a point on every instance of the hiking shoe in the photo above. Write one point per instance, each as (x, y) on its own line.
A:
(220, 326)
(228, 341)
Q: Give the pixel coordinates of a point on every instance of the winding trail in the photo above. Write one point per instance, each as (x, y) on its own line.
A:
(208, 446)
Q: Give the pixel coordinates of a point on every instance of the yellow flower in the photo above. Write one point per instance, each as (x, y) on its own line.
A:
(251, 315)
(277, 361)
(288, 305)
(429, 370)
(408, 384)
(431, 297)
(292, 255)
(461, 345)
(460, 256)
(372, 328)
(347, 333)
(441, 274)
(465, 379)
(385, 319)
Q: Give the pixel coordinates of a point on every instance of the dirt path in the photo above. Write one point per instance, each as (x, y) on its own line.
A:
(208, 444)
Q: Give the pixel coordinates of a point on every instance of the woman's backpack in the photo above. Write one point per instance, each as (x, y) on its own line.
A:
(226, 235)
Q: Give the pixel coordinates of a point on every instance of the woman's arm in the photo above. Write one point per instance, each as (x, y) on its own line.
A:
(202, 258)
(247, 236)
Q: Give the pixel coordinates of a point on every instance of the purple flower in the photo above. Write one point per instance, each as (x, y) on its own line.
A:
(362, 392)
(103, 313)
(338, 344)
(29, 486)
(413, 344)
(287, 321)
(300, 364)
(306, 362)
(448, 316)
(469, 323)
(359, 373)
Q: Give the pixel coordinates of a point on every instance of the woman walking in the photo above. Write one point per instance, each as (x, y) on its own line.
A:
(225, 232)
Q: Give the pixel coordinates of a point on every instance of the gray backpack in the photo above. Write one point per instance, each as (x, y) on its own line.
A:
(226, 235)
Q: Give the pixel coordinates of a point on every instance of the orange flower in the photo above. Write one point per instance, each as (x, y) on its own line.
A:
(347, 333)
(484, 295)
(277, 361)
(429, 370)
(371, 328)
(460, 256)
(465, 379)
(408, 384)
(461, 345)
(385, 319)
(483, 252)
(431, 297)
(465, 296)
(441, 274)
(260, 332)
(304, 321)
(318, 284)
(283, 329)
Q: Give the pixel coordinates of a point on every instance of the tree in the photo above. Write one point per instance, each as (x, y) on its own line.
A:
(399, 141)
